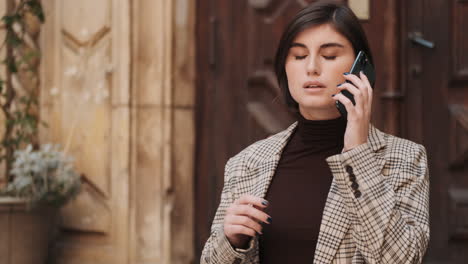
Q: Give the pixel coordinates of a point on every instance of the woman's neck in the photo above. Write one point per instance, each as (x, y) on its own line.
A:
(319, 114)
(321, 134)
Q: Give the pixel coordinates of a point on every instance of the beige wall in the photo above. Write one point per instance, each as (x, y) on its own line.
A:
(118, 76)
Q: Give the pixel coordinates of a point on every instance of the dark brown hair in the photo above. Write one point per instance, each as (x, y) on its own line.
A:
(335, 13)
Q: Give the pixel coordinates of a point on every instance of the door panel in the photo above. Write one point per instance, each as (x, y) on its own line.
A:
(437, 85)
(87, 110)
(266, 114)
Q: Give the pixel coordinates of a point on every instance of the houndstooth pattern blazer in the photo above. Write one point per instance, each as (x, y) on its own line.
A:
(387, 223)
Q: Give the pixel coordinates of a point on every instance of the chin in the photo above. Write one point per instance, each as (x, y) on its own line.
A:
(316, 103)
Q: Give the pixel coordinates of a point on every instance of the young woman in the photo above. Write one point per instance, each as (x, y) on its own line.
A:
(328, 189)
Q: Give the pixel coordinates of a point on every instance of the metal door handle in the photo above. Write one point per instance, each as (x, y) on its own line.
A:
(417, 38)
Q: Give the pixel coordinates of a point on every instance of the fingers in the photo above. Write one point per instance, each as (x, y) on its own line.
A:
(358, 97)
(245, 221)
(369, 90)
(360, 85)
(361, 90)
(238, 229)
(347, 103)
(253, 200)
(250, 211)
(244, 217)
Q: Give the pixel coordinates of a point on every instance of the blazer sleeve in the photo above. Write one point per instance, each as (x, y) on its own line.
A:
(217, 248)
(389, 213)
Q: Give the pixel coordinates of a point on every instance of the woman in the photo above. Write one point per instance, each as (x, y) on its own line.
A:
(327, 189)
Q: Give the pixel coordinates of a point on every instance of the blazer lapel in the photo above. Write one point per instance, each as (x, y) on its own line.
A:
(335, 222)
(266, 165)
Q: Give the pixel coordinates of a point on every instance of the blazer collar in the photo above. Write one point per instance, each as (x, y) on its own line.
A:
(269, 154)
(376, 139)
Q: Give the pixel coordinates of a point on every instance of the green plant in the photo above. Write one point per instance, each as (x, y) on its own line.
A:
(19, 104)
(40, 174)
(44, 176)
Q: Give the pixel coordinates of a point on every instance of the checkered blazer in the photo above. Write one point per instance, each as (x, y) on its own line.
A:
(387, 223)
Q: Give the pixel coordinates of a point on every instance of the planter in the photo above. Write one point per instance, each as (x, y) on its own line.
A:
(25, 235)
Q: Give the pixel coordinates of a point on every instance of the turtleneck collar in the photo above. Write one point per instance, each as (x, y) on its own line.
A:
(321, 133)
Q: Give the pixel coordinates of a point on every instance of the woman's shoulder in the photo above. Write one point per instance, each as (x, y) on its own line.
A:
(264, 148)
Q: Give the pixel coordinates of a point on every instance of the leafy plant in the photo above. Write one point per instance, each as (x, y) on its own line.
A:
(44, 176)
(19, 106)
(40, 174)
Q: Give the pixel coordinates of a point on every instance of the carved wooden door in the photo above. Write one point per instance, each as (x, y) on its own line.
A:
(436, 111)
(237, 97)
(85, 101)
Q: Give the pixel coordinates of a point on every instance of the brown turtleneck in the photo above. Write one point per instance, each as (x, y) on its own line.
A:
(298, 192)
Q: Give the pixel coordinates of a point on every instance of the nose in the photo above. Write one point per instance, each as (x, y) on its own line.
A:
(313, 66)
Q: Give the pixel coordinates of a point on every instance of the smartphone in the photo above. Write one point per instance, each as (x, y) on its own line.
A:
(361, 63)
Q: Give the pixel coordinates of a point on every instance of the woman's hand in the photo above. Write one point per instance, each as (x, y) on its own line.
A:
(242, 220)
(359, 115)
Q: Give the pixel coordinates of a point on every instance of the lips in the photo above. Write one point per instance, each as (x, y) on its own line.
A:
(313, 84)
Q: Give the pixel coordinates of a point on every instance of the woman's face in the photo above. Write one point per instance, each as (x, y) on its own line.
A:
(315, 64)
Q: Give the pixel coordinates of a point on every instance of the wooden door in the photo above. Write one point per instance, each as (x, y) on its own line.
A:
(436, 88)
(237, 94)
(85, 101)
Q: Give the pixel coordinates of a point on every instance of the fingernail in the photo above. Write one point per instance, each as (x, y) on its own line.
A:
(346, 73)
(340, 84)
(333, 95)
(269, 220)
(265, 203)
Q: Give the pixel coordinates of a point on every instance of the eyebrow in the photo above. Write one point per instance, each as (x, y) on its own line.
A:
(323, 46)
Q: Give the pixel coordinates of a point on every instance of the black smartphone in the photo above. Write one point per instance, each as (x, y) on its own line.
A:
(361, 63)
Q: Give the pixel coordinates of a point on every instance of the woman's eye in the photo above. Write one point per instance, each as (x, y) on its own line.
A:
(300, 57)
(329, 57)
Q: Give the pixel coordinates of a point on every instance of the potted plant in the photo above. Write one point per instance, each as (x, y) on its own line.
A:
(35, 179)
(43, 177)
(42, 181)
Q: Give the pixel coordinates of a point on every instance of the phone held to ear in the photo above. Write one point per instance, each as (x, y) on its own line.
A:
(361, 63)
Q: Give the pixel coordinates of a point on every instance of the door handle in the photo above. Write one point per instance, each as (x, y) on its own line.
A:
(417, 38)
(213, 55)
